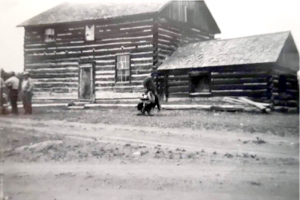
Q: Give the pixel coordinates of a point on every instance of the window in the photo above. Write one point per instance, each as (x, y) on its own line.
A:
(123, 68)
(282, 84)
(188, 14)
(200, 82)
(90, 32)
(49, 35)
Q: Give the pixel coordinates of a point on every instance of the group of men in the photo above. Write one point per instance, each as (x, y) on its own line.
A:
(12, 86)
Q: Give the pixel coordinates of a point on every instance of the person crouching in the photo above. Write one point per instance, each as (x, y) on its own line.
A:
(150, 98)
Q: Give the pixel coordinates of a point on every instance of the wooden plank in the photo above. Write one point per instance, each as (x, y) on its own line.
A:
(169, 38)
(240, 75)
(91, 48)
(107, 72)
(139, 77)
(120, 89)
(178, 78)
(105, 78)
(223, 81)
(175, 89)
(172, 24)
(126, 30)
(106, 68)
(292, 92)
(34, 74)
(178, 83)
(292, 80)
(98, 43)
(56, 75)
(100, 62)
(200, 94)
(114, 25)
(132, 35)
(179, 95)
(238, 87)
(141, 67)
(53, 88)
(166, 47)
(77, 56)
(263, 108)
(143, 61)
(53, 64)
(140, 71)
(240, 93)
(168, 44)
(171, 33)
(53, 84)
(113, 83)
(55, 70)
(290, 103)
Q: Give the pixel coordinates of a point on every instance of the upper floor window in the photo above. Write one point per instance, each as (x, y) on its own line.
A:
(90, 32)
(49, 35)
(187, 14)
(123, 68)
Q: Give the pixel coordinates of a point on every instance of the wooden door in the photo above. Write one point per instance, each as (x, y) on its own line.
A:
(86, 91)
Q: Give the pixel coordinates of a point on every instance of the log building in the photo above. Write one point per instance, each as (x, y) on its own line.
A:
(105, 50)
(89, 51)
(262, 67)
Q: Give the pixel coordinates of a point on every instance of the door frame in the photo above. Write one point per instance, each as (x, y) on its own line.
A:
(92, 67)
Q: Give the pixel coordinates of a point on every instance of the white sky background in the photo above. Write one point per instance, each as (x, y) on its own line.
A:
(236, 18)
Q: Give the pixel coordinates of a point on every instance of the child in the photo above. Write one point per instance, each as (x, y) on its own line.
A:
(150, 99)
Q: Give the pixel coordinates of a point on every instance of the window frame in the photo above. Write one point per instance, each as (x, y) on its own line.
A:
(199, 74)
(85, 32)
(45, 36)
(185, 13)
(116, 68)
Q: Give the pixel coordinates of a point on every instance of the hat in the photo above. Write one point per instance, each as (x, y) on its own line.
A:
(26, 73)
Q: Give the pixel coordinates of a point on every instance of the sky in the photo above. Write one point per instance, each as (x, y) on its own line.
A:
(235, 18)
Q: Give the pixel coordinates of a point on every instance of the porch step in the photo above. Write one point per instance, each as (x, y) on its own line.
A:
(76, 107)
(117, 101)
(78, 103)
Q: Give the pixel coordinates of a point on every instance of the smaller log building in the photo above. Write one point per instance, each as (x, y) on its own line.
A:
(262, 67)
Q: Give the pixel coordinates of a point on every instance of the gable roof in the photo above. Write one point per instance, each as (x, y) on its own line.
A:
(74, 12)
(238, 51)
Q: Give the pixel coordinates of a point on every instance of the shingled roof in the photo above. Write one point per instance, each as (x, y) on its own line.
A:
(238, 51)
(74, 12)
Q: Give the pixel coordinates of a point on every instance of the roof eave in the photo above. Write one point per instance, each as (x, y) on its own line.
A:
(79, 21)
(215, 66)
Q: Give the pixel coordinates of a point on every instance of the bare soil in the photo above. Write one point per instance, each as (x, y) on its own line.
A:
(117, 154)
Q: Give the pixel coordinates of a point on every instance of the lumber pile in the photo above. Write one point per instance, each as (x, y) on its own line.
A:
(248, 104)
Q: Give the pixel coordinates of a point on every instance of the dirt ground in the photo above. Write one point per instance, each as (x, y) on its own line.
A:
(114, 153)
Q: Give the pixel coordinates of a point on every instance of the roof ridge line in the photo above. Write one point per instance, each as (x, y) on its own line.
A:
(241, 37)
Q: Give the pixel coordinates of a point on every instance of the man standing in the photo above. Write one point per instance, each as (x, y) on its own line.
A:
(2, 85)
(27, 90)
(13, 84)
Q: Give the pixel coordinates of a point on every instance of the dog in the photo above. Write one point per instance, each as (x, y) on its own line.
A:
(145, 106)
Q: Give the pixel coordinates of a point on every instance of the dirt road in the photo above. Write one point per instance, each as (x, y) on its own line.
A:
(55, 159)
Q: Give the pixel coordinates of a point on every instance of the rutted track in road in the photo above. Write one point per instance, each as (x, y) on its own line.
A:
(190, 140)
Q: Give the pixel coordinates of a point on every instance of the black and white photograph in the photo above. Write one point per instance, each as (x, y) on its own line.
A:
(149, 100)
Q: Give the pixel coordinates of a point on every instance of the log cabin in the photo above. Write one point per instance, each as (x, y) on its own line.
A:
(262, 67)
(89, 51)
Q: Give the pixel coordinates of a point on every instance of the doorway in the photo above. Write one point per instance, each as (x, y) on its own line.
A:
(86, 90)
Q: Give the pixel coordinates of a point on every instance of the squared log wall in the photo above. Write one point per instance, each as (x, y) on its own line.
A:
(54, 65)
